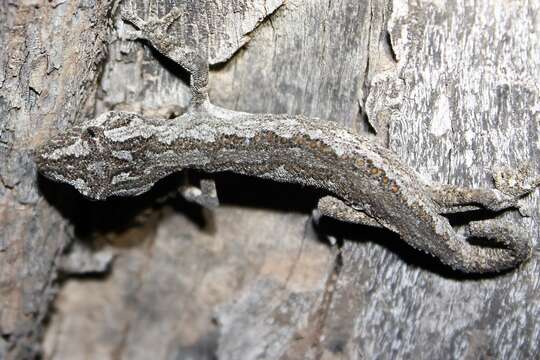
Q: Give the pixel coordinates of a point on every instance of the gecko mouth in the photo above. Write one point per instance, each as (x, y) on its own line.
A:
(91, 191)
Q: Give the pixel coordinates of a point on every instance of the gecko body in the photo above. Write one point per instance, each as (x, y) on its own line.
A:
(124, 154)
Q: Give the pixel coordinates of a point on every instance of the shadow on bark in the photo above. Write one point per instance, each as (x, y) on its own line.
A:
(119, 214)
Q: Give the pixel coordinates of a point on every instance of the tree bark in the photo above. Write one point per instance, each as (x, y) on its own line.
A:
(49, 61)
(451, 87)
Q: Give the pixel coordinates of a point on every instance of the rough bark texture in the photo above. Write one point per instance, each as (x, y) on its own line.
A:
(450, 86)
(49, 57)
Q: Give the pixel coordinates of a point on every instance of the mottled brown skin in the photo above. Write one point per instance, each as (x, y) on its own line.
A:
(123, 154)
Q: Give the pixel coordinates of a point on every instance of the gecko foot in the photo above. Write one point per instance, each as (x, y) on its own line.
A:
(316, 217)
(516, 182)
(499, 201)
(193, 58)
(154, 28)
(155, 31)
(511, 244)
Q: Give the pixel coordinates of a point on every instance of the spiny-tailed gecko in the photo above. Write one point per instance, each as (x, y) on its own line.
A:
(124, 154)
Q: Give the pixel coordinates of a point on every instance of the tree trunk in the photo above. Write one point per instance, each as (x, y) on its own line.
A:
(49, 65)
(451, 87)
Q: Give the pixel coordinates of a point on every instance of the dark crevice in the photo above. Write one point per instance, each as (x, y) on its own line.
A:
(368, 126)
(6, 337)
(485, 243)
(365, 120)
(309, 338)
(328, 296)
(205, 347)
(388, 47)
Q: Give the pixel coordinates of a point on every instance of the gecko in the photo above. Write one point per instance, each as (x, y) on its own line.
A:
(124, 154)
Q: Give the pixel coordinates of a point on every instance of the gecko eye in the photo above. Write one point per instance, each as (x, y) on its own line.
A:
(91, 132)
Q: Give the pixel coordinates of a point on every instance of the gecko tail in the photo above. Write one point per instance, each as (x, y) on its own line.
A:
(511, 246)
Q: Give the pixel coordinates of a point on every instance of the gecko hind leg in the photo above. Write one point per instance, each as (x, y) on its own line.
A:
(336, 209)
(511, 245)
(454, 199)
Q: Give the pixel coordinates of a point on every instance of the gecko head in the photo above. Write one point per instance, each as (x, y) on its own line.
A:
(85, 157)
